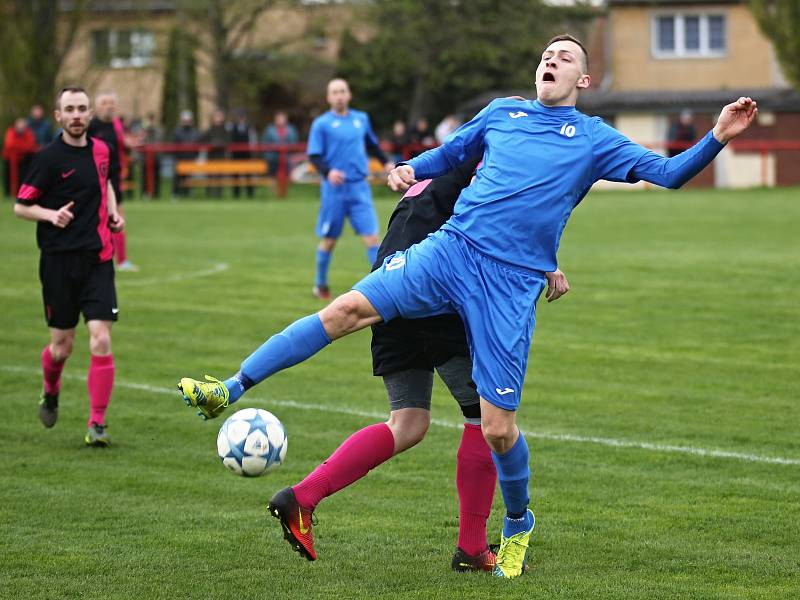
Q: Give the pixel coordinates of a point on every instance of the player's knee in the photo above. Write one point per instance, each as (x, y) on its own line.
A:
(498, 433)
(100, 342)
(61, 349)
(408, 427)
(327, 244)
(343, 315)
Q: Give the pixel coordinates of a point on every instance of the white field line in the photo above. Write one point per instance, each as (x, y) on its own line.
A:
(557, 437)
(124, 282)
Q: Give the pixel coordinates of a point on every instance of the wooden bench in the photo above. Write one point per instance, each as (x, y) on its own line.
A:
(223, 172)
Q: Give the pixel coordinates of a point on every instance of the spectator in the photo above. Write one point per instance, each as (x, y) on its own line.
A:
(280, 132)
(41, 126)
(681, 131)
(185, 133)
(219, 136)
(243, 133)
(448, 125)
(421, 134)
(399, 139)
(19, 144)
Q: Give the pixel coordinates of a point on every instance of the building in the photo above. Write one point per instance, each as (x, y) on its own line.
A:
(652, 59)
(121, 45)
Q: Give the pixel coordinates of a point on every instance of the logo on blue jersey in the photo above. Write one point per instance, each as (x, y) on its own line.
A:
(396, 262)
(336, 123)
(567, 130)
(517, 114)
(508, 390)
(357, 123)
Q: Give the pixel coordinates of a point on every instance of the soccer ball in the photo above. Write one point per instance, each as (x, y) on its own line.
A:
(251, 442)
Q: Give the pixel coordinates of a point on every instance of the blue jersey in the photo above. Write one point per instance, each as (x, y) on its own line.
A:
(341, 142)
(538, 163)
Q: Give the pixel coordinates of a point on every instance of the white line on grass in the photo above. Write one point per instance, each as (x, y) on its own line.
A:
(217, 268)
(557, 437)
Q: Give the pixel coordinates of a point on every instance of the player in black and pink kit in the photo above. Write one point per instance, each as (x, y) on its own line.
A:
(107, 126)
(67, 191)
(405, 353)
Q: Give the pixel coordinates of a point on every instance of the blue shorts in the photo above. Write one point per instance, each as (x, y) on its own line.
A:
(497, 302)
(352, 199)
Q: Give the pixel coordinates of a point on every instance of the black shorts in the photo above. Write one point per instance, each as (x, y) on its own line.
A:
(75, 283)
(403, 344)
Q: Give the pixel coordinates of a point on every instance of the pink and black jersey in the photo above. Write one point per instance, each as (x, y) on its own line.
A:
(61, 173)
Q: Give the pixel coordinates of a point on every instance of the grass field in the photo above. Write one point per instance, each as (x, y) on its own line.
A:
(661, 405)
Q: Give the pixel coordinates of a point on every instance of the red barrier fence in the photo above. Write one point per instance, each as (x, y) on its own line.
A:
(149, 152)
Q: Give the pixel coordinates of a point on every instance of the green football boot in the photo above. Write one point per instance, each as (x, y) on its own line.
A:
(511, 555)
(209, 397)
(97, 435)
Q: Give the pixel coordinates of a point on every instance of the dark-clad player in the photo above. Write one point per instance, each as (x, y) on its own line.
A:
(68, 193)
(107, 126)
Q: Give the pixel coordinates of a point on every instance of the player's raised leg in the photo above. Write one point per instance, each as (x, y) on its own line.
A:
(353, 459)
(301, 340)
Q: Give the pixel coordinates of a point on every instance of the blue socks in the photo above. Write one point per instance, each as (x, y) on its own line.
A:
(372, 255)
(323, 262)
(237, 386)
(299, 341)
(513, 473)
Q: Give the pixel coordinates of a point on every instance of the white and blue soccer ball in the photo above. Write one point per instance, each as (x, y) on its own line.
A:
(251, 442)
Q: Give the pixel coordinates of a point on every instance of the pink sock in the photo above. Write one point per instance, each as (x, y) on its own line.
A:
(100, 381)
(362, 451)
(476, 478)
(52, 372)
(120, 250)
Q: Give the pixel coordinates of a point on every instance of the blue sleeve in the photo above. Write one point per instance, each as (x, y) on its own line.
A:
(463, 143)
(674, 172)
(372, 142)
(370, 138)
(614, 154)
(316, 139)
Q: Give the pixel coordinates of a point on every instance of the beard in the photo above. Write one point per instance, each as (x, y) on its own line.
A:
(74, 130)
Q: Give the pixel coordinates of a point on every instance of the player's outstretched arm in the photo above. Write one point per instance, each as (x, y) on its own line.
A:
(734, 119)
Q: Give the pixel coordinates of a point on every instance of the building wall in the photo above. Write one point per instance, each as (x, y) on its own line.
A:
(743, 66)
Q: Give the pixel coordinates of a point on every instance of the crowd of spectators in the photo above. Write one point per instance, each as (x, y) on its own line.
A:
(26, 135)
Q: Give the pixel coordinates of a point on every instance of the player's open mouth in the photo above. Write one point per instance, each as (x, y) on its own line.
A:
(548, 77)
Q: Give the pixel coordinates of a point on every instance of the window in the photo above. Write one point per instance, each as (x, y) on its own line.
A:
(120, 48)
(688, 35)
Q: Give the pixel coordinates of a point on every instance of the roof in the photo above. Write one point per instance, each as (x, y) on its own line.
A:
(597, 102)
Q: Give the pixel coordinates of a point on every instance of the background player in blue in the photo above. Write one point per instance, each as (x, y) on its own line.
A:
(488, 261)
(337, 146)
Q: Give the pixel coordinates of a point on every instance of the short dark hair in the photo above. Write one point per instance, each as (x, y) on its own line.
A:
(565, 37)
(69, 88)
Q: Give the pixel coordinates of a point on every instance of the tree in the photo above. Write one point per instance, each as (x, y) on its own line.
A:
(222, 29)
(180, 79)
(425, 58)
(37, 35)
(780, 22)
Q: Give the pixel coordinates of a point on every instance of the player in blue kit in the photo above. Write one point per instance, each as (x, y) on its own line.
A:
(488, 261)
(337, 146)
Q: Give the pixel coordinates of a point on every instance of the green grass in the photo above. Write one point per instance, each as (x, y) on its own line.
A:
(682, 329)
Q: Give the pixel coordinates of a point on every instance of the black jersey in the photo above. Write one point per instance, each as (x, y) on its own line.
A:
(403, 344)
(424, 209)
(60, 174)
(109, 132)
